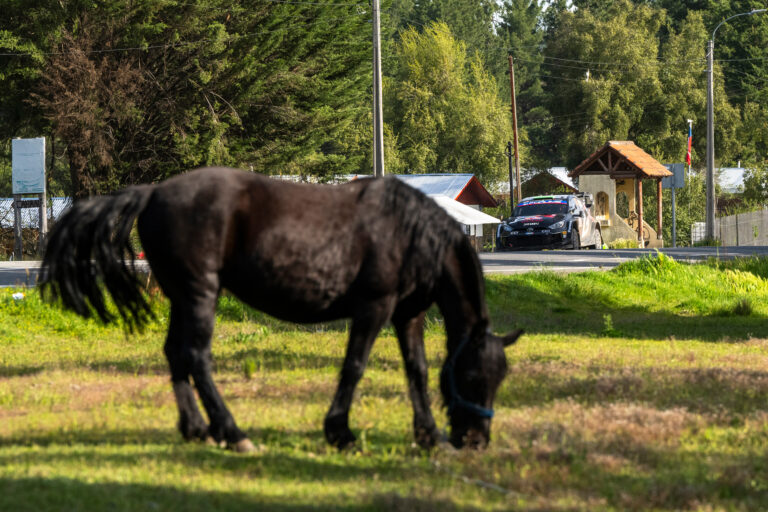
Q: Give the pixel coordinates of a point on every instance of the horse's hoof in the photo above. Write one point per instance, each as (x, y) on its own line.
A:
(427, 438)
(243, 446)
(210, 441)
(350, 447)
(344, 441)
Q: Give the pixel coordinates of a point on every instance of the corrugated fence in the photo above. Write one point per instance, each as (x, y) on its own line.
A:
(743, 229)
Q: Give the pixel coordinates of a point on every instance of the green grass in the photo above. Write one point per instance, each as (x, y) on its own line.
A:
(640, 388)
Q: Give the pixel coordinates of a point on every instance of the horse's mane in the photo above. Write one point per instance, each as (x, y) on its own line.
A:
(428, 228)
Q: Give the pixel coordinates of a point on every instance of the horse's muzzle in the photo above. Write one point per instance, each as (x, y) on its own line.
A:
(472, 438)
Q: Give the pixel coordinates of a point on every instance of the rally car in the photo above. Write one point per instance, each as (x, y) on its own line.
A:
(550, 222)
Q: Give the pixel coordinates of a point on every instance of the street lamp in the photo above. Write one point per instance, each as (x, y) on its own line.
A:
(710, 219)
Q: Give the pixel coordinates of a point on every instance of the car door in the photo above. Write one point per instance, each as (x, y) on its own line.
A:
(586, 226)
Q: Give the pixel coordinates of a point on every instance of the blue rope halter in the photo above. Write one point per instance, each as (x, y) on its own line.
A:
(456, 401)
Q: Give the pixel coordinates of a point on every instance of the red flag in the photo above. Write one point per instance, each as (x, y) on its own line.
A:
(690, 140)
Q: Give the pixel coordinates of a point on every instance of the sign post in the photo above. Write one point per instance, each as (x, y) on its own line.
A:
(677, 180)
(28, 177)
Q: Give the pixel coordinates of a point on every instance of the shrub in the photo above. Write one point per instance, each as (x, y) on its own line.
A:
(623, 243)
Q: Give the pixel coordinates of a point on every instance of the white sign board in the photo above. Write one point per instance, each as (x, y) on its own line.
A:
(28, 166)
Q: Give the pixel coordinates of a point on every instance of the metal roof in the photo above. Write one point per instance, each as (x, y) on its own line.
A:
(731, 179)
(446, 184)
(465, 188)
(561, 173)
(462, 213)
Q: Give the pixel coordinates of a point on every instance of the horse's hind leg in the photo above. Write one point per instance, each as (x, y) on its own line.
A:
(189, 353)
(362, 334)
(410, 335)
(191, 422)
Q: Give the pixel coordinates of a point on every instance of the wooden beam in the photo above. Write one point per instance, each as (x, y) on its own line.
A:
(639, 200)
(605, 167)
(619, 161)
(658, 209)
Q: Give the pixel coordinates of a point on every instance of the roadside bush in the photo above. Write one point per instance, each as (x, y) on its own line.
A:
(623, 243)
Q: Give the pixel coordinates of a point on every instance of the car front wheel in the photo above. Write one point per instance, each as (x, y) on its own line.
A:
(576, 239)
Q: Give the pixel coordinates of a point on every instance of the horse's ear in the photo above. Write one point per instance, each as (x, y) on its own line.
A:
(511, 338)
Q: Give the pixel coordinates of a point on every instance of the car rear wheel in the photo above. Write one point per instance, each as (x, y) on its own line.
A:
(598, 240)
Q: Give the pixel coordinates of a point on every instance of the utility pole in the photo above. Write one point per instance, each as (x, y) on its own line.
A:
(378, 117)
(514, 127)
(710, 218)
(710, 214)
(510, 153)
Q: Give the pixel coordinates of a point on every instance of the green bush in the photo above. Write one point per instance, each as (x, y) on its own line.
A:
(623, 243)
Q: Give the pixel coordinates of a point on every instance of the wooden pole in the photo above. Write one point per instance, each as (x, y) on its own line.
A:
(639, 196)
(510, 154)
(514, 126)
(658, 209)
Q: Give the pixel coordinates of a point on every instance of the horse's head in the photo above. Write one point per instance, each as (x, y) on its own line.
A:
(469, 380)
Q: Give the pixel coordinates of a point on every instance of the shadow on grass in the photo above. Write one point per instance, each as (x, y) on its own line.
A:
(36, 494)
(285, 438)
(263, 359)
(20, 371)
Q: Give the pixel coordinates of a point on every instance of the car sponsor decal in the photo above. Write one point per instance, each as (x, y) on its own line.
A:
(530, 218)
(542, 201)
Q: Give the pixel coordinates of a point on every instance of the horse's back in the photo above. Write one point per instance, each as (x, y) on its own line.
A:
(297, 251)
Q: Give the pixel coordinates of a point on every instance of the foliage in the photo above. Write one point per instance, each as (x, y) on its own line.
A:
(131, 92)
(521, 33)
(708, 243)
(623, 243)
(158, 88)
(444, 106)
(756, 185)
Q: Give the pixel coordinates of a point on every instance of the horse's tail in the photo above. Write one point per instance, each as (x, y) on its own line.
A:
(90, 247)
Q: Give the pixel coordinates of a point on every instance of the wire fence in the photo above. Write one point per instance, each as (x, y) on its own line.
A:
(30, 224)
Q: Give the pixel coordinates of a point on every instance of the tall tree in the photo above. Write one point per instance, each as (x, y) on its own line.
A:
(444, 108)
(167, 86)
(522, 34)
(470, 21)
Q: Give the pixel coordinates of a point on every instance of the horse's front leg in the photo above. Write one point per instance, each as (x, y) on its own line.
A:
(365, 326)
(410, 335)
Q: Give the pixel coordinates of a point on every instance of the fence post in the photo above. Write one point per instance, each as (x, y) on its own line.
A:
(43, 217)
(17, 246)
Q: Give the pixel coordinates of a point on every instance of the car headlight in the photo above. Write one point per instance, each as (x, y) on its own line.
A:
(557, 226)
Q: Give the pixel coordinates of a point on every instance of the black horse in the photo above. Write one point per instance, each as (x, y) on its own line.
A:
(373, 250)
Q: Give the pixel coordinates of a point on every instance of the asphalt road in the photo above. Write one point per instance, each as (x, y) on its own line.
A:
(25, 273)
(605, 259)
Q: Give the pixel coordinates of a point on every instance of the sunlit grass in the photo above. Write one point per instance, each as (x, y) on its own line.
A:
(663, 407)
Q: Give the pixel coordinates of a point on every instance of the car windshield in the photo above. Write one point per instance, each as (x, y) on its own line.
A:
(541, 207)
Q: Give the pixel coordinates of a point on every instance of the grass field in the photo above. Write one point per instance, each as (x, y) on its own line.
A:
(641, 388)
